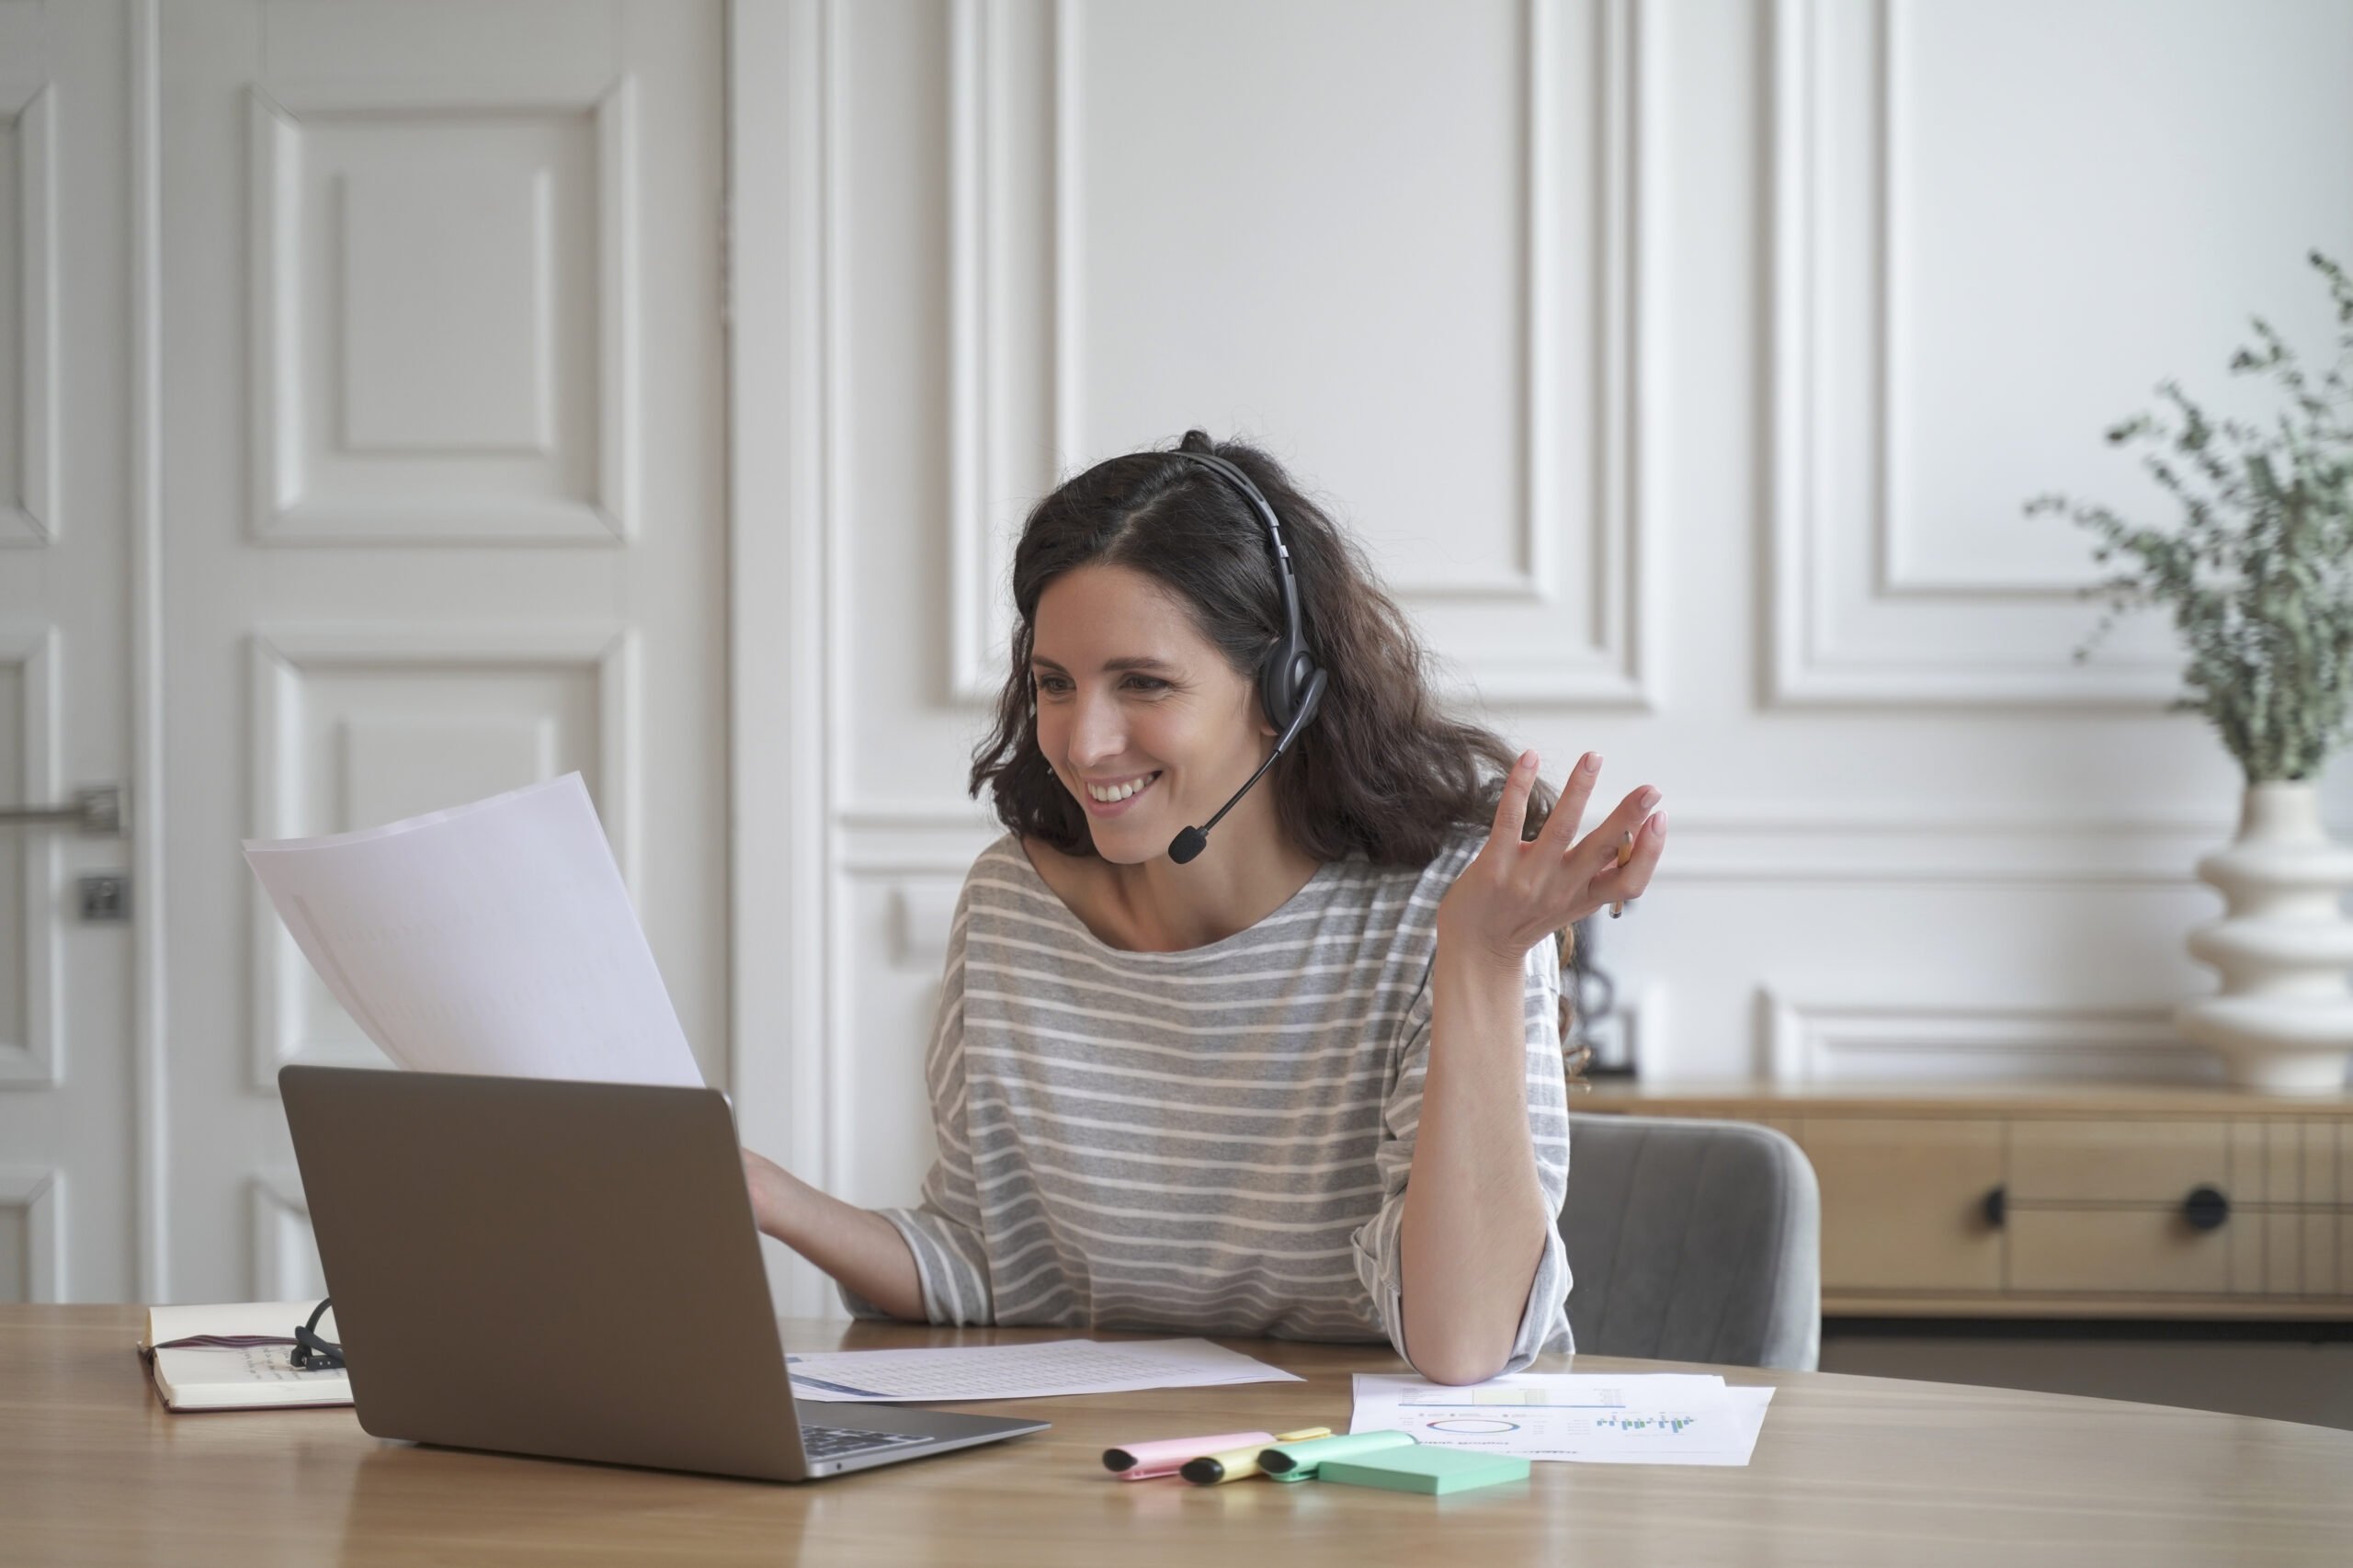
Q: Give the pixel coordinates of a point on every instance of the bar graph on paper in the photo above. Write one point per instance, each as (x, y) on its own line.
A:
(1662, 1418)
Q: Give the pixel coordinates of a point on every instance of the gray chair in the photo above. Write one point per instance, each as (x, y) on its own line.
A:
(1692, 1241)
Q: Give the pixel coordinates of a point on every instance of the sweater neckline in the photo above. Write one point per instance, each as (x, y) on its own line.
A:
(1234, 941)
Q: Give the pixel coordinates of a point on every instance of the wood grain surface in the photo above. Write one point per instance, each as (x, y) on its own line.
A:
(93, 1470)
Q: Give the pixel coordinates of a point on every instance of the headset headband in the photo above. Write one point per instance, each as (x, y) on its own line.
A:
(1258, 504)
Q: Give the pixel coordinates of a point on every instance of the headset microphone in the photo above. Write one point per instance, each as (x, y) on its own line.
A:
(1193, 840)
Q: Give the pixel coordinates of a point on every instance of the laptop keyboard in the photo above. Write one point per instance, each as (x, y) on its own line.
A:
(839, 1442)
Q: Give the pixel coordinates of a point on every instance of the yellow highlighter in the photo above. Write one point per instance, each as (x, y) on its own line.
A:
(1236, 1463)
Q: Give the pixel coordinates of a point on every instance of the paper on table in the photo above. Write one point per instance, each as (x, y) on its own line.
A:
(1595, 1418)
(1748, 1410)
(493, 938)
(1023, 1371)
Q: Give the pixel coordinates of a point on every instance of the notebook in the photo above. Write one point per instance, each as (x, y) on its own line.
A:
(248, 1376)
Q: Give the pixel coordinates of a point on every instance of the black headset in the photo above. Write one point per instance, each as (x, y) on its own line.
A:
(1290, 684)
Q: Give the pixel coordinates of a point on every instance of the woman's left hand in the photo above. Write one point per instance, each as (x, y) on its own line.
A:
(1515, 894)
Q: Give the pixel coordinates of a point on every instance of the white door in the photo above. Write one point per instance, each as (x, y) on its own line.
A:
(443, 411)
(68, 1222)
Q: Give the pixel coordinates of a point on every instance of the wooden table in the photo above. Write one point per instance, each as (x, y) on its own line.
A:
(1848, 1471)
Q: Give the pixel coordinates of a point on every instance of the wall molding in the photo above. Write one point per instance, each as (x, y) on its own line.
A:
(1722, 843)
(143, 810)
(279, 660)
(1852, 622)
(39, 1191)
(34, 1061)
(1804, 1040)
(1015, 422)
(282, 512)
(274, 1205)
(33, 514)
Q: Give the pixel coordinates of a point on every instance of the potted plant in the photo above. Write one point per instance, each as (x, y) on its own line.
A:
(2258, 575)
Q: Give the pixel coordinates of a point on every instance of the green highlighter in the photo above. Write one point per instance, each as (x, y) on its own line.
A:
(1425, 1468)
(1298, 1461)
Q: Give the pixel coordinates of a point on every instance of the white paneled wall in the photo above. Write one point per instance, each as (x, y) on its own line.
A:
(445, 504)
(362, 452)
(1684, 365)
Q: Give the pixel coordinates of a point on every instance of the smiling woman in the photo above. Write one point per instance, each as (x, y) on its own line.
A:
(1309, 1084)
(1154, 732)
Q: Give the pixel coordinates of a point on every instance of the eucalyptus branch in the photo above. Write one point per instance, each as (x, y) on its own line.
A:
(2258, 570)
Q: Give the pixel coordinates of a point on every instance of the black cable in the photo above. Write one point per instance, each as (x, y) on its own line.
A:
(311, 1354)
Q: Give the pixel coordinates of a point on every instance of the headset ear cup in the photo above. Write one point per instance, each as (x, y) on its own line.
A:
(1277, 692)
(1283, 682)
(1311, 686)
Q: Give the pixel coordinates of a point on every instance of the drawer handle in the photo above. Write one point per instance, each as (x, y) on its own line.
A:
(2206, 1208)
(1996, 1207)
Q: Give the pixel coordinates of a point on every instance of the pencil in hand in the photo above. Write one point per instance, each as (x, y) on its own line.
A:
(1625, 853)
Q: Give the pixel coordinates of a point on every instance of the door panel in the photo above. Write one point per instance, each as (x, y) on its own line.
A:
(67, 1224)
(445, 425)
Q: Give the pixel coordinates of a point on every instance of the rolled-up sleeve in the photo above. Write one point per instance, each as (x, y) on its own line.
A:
(943, 1230)
(1544, 1321)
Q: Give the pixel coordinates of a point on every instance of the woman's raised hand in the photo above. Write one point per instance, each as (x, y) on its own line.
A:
(1515, 894)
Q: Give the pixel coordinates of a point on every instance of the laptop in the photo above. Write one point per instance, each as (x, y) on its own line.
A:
(570, 1270)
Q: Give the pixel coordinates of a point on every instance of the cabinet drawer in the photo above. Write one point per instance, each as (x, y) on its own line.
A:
(1903, 1202)
(2118, 1251)
(2279, 1160)
(2144, 1161)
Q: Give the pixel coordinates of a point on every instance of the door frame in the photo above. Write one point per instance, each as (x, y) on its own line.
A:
(143, 809)
(784, 468)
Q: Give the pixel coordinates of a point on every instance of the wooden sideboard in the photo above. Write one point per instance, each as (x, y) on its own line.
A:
(2084, 1201)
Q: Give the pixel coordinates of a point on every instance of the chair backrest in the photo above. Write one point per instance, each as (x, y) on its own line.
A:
(1692, 1241)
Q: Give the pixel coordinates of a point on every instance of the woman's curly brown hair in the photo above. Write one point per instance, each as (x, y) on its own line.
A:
(1381, 770)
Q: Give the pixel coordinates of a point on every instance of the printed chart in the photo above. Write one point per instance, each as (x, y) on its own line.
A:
(1662, 1418)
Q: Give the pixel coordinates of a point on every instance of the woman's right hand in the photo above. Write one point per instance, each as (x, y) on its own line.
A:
(861, 1249)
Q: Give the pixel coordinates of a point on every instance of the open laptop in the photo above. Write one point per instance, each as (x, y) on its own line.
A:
(568, 1270)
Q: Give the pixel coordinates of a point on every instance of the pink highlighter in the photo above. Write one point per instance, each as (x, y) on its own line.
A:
(1139, 1461)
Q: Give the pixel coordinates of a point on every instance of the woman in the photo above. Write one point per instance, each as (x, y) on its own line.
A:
(1309, 1085)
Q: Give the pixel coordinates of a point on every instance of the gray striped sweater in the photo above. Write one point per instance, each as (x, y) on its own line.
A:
(1215, 1141)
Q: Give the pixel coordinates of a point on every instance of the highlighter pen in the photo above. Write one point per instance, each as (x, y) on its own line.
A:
(1237, 1463)
(1166, 1456)
(1298, 1461)
(1625, 853)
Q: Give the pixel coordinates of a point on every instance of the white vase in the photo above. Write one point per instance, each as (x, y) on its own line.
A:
(2283, 1020)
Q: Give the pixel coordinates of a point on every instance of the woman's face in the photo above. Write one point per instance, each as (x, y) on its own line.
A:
(1135, 703)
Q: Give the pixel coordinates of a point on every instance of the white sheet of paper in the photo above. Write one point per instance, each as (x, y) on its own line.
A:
(1591, 1418)
(1747, 1409)
(1023, 1371)
(491, 938)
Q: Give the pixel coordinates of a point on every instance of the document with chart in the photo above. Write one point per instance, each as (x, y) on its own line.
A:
(493, 938)
(1588, 1418)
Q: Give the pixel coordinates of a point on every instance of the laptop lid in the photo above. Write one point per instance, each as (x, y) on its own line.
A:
(545, 1267)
